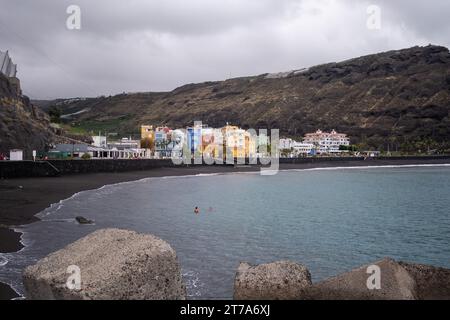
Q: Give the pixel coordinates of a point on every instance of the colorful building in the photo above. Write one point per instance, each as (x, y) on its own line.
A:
(210, 142)
(163, 139)
(239, 142)
(147, 132)
(201, 140)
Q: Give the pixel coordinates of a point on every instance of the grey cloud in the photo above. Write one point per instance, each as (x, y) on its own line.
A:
(155, 45)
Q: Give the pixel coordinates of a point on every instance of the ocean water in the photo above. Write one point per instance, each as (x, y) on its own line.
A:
(330, 220)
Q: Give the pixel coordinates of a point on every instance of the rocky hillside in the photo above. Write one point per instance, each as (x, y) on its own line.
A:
(22, 125)
(397, 100)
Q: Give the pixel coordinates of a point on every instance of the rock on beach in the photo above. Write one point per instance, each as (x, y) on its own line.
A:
(108, 264)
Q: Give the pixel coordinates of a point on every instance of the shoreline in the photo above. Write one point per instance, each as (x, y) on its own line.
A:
(23, 198)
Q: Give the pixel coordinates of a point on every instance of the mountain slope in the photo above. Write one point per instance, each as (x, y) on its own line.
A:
(400, 98)
(22, 125)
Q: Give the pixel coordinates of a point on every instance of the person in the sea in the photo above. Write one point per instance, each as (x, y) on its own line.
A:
(196, 210)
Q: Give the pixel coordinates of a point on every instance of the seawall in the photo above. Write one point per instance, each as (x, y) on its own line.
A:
(360, 159)
(50, 168)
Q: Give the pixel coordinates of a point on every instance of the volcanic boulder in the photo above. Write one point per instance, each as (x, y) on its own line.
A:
(108, 264)
(397, 281)
(283, 280)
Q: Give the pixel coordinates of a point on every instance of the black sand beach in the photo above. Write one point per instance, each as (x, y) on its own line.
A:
(6, 293)
(21, 199)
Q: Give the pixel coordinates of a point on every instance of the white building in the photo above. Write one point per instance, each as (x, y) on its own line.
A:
(7, 67)
(303, 149)
(125, 143)
(178, 140)
(99, 141)
(286, 144)
(16, 155)
(77, 151)
(128, 148)
(325, 142)
(295, 148)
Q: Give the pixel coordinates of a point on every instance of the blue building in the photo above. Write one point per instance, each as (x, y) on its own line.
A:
(194, 138)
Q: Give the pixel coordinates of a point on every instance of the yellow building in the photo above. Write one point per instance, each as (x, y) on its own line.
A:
(147, 132)
(238, 141)
(148, 137)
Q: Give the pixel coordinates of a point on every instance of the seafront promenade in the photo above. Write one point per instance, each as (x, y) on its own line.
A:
(53, 168)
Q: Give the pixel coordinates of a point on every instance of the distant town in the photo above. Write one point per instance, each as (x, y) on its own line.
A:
(164, 143)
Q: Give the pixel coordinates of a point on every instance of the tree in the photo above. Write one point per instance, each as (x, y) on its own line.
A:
(55, 114)
(286, 152)
(351, 148)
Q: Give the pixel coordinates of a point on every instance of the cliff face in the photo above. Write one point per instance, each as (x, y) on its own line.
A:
(22, 125)
(397, 99)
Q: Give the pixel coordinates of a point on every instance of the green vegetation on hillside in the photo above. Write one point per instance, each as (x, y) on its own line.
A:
(93, 127)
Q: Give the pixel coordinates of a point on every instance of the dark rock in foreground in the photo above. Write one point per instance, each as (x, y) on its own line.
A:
(7, 293)
(395, 284)
(398, 281)
(120, 264)
(432, 283)
(282, 280)
(113, 264)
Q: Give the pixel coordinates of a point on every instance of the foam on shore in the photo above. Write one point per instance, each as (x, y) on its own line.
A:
(3, 260)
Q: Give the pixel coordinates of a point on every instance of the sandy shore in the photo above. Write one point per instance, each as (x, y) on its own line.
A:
(22, 199)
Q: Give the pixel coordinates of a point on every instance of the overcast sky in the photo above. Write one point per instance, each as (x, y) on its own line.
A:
(157, 45)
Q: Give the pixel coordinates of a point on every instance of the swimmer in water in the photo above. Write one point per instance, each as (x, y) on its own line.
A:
(196, 210)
